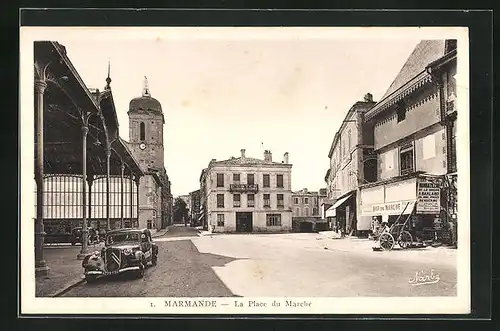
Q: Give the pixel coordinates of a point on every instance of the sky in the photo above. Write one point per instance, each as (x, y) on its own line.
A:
(285, 92)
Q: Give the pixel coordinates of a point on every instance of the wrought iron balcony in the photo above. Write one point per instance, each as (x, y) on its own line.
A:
(244, 188)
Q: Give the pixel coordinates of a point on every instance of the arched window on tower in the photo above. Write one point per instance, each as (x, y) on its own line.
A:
(142, 131)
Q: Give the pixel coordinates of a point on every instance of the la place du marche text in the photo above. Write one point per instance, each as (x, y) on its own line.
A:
(237, 303)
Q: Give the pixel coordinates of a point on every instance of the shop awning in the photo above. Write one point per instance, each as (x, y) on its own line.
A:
(331, 212)
(341, 201)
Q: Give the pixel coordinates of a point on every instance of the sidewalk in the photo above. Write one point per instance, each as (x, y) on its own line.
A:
(444, 254)
(161, 232)
(65, 270)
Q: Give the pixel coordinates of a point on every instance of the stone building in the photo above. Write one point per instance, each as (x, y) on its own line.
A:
(414, 139)
(352, 163)
(247, 194)
(306, 214)
(146, 122)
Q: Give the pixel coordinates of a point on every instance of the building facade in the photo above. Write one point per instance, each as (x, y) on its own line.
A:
(414, 140)
(248, 194)
(351, 163)
(306, 213)
(146, 122)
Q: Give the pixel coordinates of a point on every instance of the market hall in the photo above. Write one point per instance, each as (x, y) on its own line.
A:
(84, 172)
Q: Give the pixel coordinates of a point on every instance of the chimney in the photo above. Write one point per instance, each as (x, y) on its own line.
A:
(285, 158)
(368, 97)
(268, 156)
(242, 153)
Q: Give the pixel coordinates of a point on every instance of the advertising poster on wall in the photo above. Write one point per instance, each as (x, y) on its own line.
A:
(428, 197)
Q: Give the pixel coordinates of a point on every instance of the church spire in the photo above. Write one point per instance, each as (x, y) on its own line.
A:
(108, 79)
(145, 88)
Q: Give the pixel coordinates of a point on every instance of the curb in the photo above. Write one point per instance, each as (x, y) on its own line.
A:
(67, 287)
(160, 235)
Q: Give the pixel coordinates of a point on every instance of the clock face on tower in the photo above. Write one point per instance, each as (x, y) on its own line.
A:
(142, 146)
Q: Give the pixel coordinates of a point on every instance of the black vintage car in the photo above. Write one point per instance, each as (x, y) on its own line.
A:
(125, 250)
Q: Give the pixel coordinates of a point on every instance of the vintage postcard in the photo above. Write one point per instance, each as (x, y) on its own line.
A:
(232, 170)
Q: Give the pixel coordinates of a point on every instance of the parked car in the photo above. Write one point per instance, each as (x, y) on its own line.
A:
(125, 250)
(74, 236)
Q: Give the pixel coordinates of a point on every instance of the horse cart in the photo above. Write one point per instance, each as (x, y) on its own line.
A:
(397, 233)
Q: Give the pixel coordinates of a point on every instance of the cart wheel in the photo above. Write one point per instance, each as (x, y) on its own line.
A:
(386, 241)
(405, 240)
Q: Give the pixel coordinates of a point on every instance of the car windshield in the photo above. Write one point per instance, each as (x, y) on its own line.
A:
(121, 237)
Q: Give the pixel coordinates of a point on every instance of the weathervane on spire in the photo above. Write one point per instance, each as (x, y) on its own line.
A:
(108, 79)
(145, 88)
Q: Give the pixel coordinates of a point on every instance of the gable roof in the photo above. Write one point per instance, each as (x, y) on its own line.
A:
(425, 52)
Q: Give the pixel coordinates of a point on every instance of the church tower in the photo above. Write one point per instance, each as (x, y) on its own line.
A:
(146, 129)
(146, 144)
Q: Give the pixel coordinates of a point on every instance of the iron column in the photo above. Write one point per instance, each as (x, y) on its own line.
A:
(137, 182)
(108, 156)
(41, 268)
(131, 196)
(85, 231)
(121, 194)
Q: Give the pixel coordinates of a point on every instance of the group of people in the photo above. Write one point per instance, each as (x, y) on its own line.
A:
(93, 235)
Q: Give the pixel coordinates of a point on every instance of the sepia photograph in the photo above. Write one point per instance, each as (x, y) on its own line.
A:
(231, 170)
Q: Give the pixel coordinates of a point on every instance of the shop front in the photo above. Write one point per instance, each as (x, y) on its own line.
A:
(416, 199)
(343, 212)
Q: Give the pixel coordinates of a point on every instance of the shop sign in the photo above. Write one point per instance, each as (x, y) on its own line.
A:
(388, 208)
(428, 197)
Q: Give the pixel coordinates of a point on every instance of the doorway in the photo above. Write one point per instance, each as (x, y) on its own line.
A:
(244, 222)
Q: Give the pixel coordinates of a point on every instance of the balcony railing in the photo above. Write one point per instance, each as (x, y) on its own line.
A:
(244, 188)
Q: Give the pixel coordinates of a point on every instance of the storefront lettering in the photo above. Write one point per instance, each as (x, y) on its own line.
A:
(391, 208)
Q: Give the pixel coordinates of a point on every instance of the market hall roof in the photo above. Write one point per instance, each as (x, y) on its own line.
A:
(67, 102)
(412, 75)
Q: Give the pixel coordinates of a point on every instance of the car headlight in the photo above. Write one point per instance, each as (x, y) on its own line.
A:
(127, 251)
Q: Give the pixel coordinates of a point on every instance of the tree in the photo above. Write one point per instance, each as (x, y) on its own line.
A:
(180, 210)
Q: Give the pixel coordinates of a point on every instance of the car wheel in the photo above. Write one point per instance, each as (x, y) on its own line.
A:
(90, 278)
(154, 260)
